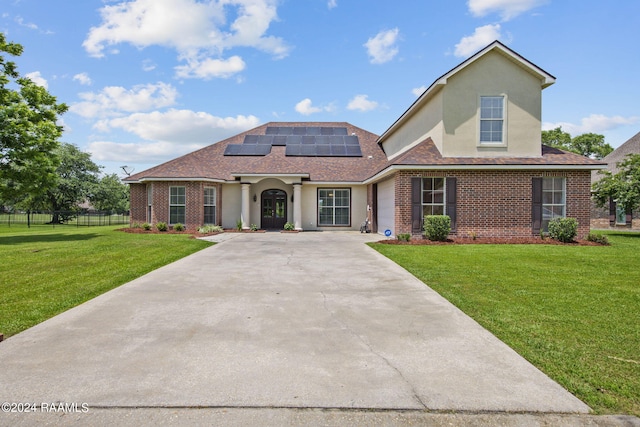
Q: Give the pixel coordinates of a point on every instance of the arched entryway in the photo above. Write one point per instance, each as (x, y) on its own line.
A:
(273, 209)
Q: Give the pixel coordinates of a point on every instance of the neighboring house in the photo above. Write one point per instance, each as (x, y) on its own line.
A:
(469, 147)
(613, 216)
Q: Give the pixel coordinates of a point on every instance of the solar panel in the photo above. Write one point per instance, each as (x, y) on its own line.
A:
(313, 141)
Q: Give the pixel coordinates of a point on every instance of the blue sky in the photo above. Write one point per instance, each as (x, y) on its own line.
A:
(149, 80)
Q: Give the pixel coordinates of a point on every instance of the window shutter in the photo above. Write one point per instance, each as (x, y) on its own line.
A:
(451, 185)
(536, 205)
(416, 205)
(629, 217)
(612, 212)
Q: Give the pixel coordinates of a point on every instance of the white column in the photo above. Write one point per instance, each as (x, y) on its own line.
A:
(246, 206)
(297, 206)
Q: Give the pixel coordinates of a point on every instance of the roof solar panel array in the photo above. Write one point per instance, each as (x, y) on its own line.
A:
(311, 141)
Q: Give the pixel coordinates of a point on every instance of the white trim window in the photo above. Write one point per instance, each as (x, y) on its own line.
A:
(433, 196)
(554, 203)
(177, 205)
(492, 119)
(210, 205)
(334, 207)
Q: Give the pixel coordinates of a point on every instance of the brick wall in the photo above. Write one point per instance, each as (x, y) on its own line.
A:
(194, 210)
(496, 203)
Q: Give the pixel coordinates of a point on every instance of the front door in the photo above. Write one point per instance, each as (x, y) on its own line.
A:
(274, 209)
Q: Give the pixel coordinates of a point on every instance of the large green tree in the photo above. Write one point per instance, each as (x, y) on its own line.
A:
(75, 179)
(623, 186)
(110, 194)
(588, 144)
(28, 131)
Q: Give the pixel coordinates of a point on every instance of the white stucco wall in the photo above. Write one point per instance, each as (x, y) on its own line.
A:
(386, 206)
(492, 74)
(425, 122)
(231, 205)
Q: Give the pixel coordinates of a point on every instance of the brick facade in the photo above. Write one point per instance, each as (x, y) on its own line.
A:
(496, 203)
(159, 212)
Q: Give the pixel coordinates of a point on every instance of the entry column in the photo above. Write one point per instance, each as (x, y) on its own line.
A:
(246, 207)
(297, 206)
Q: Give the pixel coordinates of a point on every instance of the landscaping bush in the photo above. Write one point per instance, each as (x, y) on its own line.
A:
(210, 229)
(437, 227)
(254, 227)
(598, 238)
(563, 229)
(162, 226)
(404, 237)
(178, 227)
(146, 226)
(289, 226)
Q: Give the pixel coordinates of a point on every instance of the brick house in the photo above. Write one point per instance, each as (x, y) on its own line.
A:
(469, 147)
(613, 216)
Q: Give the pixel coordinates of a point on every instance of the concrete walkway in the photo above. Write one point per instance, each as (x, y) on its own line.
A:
(277, 323)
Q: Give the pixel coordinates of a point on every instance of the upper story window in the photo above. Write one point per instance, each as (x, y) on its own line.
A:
(492, 120)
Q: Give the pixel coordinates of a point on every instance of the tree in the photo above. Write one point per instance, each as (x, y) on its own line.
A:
(591, 145)
(28, 131)
(76, 178)
(557, 138)
(588, 144)
(110, 194)
(623, 187)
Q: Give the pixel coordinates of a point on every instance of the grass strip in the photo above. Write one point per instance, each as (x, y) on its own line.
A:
(572, 311)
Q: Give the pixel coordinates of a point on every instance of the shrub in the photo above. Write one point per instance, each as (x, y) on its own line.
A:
(404, 237)
(136, 225)
(289, 226)
(563, 229)
(239, 224)
(598, 238)
(146, 226)
(254, 227)
(210, 229)
(178, 227)
(437, 227)
(162, 226)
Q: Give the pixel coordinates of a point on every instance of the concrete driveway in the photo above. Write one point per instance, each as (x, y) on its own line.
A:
(274, 321)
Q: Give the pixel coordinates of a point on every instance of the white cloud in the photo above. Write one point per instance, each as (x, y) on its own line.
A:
(507, 9)
(417, 91)
(114, 100)
(180, 125)
(362, 103)
(480, 38)
(306, 107)
(207, 68)
(200, 36)
(148, 65)
(167, 135)
(83, 79)
(595, 123)
(332, 3)
(37, 79)
(382, 47)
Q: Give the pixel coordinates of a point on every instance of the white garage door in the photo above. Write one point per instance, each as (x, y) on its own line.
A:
(386, 206)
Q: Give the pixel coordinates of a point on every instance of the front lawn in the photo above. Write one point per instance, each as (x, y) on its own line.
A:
(46, 270)
(573, 311)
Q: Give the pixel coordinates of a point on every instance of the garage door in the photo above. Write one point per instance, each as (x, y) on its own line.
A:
(386, 206)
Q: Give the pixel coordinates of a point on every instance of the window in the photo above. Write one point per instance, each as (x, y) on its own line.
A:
(149, 203)
(334, 206)
(553, 200)
(491, 119)
(209, 205)
(177, 205)
(433, 196)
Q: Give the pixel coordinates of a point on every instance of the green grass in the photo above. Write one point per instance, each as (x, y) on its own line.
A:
(45, 271)
(572, 311)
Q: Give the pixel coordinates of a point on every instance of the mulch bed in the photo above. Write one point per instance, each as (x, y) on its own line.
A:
(489, 241)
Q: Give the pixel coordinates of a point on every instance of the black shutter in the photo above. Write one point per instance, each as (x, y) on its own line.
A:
(451, 185)
(416, 205)
(629, 217)
(612, 212)
(536, 205)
